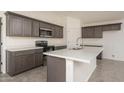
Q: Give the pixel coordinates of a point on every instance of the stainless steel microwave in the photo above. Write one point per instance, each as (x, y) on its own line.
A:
(46, 33)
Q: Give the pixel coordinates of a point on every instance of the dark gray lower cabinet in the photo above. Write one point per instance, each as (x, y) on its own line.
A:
(24, 62)
(38, 59)
(56, 69)
(20, 61)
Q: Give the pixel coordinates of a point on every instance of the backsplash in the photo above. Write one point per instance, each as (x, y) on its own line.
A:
(93, 41)
(19, 42)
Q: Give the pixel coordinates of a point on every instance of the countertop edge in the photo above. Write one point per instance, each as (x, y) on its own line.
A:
(22, 49)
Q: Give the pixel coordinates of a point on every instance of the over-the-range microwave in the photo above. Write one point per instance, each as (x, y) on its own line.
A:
(46, 33)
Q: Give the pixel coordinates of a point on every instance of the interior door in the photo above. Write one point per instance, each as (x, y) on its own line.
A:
(0, 44)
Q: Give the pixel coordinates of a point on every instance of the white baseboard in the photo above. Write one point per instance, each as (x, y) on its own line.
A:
(92, 70)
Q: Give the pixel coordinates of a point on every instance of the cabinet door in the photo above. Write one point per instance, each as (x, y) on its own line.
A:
(98, 32)
(35, 29)
(61, 32)
(116, 26)
(88, 32)
(45, 25)
(30, 61)
(84, 33)
(27, 27)
(58, 32)
(24, 62)
(106, 28)
(38, 59)
(112, 27)
(19, 64)
(14, 27)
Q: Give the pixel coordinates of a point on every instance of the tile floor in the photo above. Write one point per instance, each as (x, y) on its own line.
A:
(106, 71)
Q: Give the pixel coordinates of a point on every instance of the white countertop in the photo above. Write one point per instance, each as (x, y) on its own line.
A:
(24, 48)
(83, 55)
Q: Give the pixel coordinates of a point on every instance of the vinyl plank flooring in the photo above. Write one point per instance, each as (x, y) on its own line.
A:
(106, 71)
(35, 75)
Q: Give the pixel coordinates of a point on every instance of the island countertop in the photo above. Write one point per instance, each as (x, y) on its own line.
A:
(84, 55)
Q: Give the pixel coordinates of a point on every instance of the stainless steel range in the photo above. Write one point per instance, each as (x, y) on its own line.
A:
(46, 48)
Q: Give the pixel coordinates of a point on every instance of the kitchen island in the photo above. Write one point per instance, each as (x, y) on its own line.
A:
(69, 65)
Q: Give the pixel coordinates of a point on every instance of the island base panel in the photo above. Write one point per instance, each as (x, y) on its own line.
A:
(56, 69)
(64, 70)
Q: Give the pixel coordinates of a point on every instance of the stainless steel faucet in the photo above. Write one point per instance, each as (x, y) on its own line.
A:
(77, 40)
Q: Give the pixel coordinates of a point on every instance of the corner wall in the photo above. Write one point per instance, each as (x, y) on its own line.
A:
(73, 28)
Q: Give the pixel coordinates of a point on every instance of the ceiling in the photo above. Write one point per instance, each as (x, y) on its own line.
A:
(93, 16)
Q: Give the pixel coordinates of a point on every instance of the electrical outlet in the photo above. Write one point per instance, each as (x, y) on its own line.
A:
(113, 56)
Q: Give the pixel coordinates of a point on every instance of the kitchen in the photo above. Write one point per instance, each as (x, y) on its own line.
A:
(23, 38)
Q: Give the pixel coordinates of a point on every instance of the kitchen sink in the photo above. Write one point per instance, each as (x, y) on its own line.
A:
(77, 48)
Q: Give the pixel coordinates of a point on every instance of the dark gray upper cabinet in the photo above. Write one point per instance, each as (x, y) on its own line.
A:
(88, 32)
(98, 32)
(18, 26)
(45, 25)
(58, 32)
(61, 32)
(27, 27)
(111, 27)
(22, 26)
(14, 25)
(92, 32)
(84, 32)
(35, 29)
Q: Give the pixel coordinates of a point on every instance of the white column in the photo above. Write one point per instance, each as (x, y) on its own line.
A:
(69, 70)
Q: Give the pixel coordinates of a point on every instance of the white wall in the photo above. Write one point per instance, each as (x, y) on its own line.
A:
(73, 28)
(113, 41)
(18, 42)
